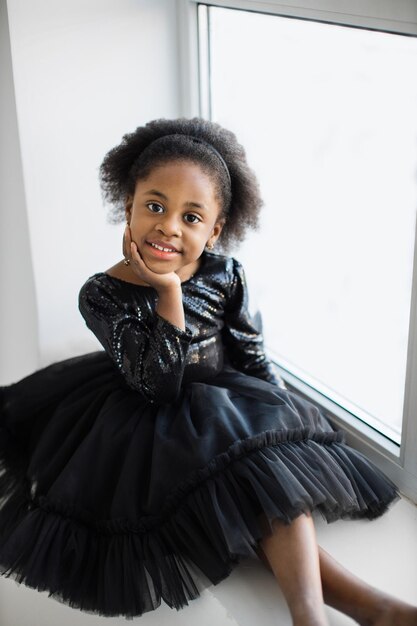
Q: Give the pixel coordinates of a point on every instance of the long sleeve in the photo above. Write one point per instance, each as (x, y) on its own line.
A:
(243, 341)
(147, 349)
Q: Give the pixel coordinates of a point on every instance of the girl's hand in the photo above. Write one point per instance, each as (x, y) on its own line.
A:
(160, 282)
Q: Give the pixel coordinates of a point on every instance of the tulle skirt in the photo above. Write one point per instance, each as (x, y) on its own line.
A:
(111, 503)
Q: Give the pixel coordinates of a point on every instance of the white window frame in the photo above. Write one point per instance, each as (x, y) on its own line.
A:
(399, 462)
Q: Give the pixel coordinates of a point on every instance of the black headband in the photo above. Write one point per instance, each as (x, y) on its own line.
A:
(202, 141)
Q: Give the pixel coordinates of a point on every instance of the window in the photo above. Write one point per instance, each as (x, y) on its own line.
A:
(326, 112)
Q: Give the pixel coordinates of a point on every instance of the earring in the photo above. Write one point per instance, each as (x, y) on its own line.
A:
(210, 246)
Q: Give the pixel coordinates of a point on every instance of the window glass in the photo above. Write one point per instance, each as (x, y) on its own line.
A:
(327, 115)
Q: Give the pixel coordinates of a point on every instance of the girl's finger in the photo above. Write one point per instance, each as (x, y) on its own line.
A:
(126, 241)
(135, 252)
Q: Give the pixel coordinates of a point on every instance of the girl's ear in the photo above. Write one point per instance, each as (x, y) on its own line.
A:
(217, 228)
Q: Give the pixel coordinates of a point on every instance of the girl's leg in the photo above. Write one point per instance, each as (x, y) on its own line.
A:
(367, 605)
(349, 594)
(292, 552)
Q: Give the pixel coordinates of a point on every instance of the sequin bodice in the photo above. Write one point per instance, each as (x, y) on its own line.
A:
(156, 357)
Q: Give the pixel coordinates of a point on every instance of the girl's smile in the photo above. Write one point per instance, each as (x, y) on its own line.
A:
(173, 215)
(161, 249)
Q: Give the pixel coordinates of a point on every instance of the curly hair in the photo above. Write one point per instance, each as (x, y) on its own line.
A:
(136, 155)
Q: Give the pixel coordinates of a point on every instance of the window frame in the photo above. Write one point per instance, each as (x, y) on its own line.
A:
(399, 462)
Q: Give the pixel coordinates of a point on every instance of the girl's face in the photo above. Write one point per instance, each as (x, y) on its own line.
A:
(174, 207)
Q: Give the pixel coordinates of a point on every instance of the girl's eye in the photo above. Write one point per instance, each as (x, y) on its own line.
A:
(153, 204)
(195, 220)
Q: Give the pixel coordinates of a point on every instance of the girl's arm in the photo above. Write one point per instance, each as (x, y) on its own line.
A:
(170, 306)
(243, 341)
(148, 349)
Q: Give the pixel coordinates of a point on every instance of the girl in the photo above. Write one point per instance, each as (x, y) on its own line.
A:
(130, 472)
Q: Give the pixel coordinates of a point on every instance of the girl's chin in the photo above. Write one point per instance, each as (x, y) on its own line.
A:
(159, 267)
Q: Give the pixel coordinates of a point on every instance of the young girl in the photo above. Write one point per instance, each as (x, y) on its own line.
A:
(131, 472)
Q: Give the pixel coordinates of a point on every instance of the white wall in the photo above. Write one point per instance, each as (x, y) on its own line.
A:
(18, 313)
(84, 74)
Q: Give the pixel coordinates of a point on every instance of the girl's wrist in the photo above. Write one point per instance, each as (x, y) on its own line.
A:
(170, 305)
(167, 290)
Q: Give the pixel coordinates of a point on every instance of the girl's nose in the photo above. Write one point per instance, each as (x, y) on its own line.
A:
(169, 225)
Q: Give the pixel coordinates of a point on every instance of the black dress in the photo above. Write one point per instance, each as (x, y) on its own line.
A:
(130, 472)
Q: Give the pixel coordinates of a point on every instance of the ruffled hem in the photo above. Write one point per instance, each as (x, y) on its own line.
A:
(120, 567)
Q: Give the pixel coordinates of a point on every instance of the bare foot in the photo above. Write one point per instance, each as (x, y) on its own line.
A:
(393, 612)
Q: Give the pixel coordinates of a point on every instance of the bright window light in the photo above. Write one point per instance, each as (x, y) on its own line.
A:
(327, 115)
